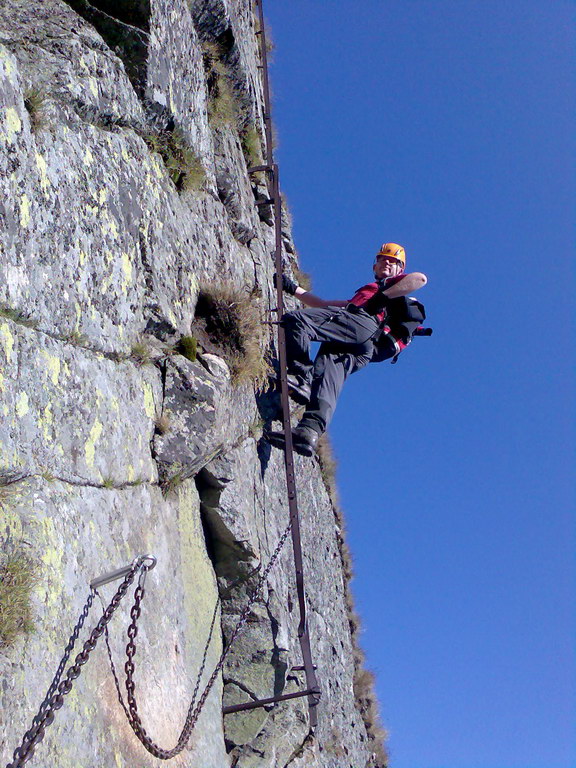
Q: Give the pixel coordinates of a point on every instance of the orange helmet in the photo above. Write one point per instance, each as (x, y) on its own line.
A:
(394, 251)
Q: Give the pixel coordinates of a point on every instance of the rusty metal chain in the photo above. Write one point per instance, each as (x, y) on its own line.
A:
(194, 709)
(67, 651)
(51, 705)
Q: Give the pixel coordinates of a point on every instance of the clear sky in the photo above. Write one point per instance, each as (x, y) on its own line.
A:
(446, 126)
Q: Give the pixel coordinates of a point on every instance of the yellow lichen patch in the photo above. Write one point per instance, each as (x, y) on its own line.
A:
(126, 271)
(24, 211)
(130, 474)
(42, 170)
(2, 386)
(125, 154)
(88, 158)
(102, 196)
(158, 167)
(90, 448)
(149, 401)
(52, 364)
(7, 340)
(94, 86)
(81, 258)
(13, 123)
(22, 406)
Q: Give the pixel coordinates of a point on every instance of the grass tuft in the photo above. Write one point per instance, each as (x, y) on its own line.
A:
(188, 347)
(222, 107)
(35, 103)
(16, 316)
(162, 424)
(108, 482)
(303, 279)
(140, 353)
(77, 338)
(182, 164)
(328, 466)
(173, 480)
(256, 428)
(18, 575)
(364, 687)
(232, 322)
(252, 146)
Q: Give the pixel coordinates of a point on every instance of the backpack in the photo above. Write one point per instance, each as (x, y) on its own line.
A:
(404, 316)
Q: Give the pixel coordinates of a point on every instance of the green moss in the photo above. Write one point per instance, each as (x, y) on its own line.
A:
(188, 347)
(18, 575)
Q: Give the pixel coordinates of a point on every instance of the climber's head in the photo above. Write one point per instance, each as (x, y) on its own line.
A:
(390, 261)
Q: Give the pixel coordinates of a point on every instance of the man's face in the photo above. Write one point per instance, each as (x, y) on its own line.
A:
(386, 266)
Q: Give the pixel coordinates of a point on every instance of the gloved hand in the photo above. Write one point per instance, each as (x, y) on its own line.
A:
(288, 285)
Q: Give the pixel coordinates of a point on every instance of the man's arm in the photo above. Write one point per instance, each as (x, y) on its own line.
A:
(315, 301)
(408, 284)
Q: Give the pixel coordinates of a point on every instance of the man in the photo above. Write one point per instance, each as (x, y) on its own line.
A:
(347, 330)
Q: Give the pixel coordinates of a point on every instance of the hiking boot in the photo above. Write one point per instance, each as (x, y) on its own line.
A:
(299, 389)
(304, 440)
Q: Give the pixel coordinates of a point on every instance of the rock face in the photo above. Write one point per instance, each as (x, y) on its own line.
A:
(123, 445)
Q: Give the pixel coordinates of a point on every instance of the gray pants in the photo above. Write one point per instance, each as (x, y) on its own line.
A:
(346, 347)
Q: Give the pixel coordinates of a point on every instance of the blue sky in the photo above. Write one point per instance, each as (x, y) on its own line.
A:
(447, 127)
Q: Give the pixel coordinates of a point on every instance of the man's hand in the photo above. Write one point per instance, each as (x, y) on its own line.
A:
(288, 285)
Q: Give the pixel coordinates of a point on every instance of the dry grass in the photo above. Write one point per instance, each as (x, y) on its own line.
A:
(140, 353)
(364, 685)
(303, 279)
(18, 575)
(328, 466)
(182, 164)
(232, 322)
(252, 147)
(35, 102)
(222, 107)
(162, 424)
